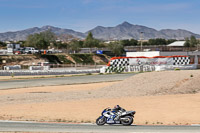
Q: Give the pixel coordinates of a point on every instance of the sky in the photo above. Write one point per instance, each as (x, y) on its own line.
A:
(84, 15)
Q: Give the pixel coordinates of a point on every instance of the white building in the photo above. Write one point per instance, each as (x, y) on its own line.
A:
(177, 44)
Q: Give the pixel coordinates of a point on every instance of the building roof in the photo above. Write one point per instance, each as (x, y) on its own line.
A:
(177, 43)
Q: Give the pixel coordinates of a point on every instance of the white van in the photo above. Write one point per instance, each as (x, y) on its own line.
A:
(31, 50)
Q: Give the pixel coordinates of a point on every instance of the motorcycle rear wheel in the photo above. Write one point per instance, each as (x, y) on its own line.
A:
(101, 121)
(127, 122)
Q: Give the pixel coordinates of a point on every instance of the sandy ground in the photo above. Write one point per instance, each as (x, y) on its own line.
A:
(170, 97)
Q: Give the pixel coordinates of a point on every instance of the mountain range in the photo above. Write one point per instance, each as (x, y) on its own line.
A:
(119, 32)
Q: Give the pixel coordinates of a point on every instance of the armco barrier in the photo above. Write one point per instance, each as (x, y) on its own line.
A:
(15, 67)
(39, 68)
(45, 72)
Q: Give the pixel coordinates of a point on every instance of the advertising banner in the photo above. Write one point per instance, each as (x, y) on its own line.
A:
(151, 61)
(156, 61)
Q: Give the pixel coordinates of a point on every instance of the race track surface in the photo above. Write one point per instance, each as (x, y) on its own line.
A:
(12, 84)
(7, 126)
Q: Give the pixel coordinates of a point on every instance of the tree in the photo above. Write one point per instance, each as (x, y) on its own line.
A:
(133, 42)
(90, 41)
(157, 41)
(2, 44)
(116, 48)
(41, 40)
(145, 43)
(127, 42)
(192, 42)
(60, 45)
(187, 42)
(75, 45)
(170, 41)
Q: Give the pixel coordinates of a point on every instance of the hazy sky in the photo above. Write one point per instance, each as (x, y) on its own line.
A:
(83, 15)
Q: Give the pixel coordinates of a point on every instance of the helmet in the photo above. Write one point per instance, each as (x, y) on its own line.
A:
(116, 107)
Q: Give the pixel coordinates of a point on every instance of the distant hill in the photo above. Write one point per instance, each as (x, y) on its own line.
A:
(128, 31)
(21, 35)
(119, 32)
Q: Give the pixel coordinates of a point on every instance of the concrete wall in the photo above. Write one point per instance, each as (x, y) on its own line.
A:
(146, 54)
(158, 53)
(191, 53)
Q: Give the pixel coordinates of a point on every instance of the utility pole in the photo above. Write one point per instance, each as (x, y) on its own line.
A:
(141, 38)
(198, 47)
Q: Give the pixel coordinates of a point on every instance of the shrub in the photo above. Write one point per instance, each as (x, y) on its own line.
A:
(82, 58)
(177, 69)
(63, 59)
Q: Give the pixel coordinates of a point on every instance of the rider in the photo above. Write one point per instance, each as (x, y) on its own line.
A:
(117, 108)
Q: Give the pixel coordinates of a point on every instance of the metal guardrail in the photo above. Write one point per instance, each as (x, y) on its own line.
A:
(45, 72)
(14, 67)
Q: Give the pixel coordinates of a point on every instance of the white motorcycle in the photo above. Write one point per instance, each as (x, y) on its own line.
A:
(109, 116)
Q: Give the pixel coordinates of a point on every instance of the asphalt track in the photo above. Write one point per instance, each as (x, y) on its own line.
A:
(9, 126)
(24, 83)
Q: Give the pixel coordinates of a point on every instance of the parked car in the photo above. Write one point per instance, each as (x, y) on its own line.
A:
(16, 51)
(19, 51)
(31, 50)
(51, 51)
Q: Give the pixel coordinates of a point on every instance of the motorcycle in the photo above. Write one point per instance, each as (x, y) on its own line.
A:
(109, 116)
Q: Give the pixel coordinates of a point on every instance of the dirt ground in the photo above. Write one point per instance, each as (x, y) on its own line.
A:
(171, 97)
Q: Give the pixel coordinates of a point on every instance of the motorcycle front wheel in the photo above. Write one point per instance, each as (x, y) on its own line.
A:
(127, 120)
(101, 121)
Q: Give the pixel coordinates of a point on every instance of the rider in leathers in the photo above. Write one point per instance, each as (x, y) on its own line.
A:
(118, 110)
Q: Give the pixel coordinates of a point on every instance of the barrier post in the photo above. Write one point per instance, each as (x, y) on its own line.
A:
(141, 68)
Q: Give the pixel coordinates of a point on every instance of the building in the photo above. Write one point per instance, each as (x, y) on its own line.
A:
(177, 44)
(12, 47)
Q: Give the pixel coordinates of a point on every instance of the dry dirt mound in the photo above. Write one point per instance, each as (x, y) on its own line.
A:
(156, 83)
(21, 60)
(144, 84)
